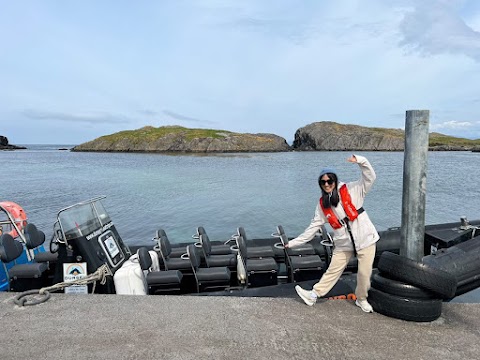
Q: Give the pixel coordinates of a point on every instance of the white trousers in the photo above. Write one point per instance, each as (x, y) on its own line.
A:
(338, 264)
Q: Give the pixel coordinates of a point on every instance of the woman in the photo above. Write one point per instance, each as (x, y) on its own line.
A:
(354, 234)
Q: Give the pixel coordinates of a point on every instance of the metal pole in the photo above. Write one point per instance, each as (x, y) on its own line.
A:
(414, 184)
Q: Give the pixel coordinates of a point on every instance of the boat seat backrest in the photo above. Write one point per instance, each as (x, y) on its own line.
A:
(10, 249)
(201, 231)
(33, 237)
(280, 230)
(161, 232)
(165, 246)
(283, 239)
(144, 258)
(193, 256)
(242, 249)
(241, 232)
(206, 245)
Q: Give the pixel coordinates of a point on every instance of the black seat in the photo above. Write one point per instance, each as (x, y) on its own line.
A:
(208, 278)
(165, 250)
(175, 252)
(158, 280)
(35, 238)
(304, 249)
(301, 263)
(216, 249)
(11, 249)
(264, 251)
(253, 266)
(229, 260)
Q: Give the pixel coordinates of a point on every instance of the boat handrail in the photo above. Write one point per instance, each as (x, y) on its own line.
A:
(85, 202)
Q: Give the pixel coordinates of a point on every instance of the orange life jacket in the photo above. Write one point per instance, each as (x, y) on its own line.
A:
(350, 210)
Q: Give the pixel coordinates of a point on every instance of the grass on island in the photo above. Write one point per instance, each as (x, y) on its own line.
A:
(150, 133)
(351, 127)
(437, 139)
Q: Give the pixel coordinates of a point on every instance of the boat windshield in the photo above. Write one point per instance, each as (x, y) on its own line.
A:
(83, 218)
(5, 223)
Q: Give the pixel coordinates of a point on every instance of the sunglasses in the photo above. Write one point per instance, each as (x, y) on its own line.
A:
(329, 182)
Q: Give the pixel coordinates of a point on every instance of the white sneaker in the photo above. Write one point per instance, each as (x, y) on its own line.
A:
(364, 305)
(309, 297)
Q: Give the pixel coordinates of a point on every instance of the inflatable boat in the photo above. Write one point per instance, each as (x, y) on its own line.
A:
(86, 241)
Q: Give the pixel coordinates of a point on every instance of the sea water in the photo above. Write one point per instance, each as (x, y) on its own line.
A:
(146, 192)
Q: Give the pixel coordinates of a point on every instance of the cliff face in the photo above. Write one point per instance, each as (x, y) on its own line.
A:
(4, 145)
(179, 139)
(333, 137)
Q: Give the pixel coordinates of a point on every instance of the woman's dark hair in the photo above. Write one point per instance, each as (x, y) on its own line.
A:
(330, 199)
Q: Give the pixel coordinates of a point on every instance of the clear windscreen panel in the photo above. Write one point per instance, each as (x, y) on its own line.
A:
(102, 213)
(5, 224)
(80, 220)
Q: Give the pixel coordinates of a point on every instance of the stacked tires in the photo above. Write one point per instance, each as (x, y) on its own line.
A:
(409, 290)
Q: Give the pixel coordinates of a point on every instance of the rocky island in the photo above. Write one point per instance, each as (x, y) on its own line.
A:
(180, 139)
(331, 136)
(4, 145)
(318, 136)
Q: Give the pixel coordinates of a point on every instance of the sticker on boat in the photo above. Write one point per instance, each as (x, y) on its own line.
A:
(73, 272)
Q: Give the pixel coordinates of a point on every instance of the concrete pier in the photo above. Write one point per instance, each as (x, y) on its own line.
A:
(189, 327)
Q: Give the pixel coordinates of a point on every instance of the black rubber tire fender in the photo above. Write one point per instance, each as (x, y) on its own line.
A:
(399, 288)
(421, 275)
(418, 310)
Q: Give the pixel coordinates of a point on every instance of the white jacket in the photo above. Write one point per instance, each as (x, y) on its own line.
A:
(363, 230)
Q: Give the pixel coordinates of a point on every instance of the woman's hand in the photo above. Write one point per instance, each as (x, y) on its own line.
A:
(352, 159)
(286, 246)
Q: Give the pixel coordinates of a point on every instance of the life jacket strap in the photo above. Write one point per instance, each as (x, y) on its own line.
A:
(346, 221)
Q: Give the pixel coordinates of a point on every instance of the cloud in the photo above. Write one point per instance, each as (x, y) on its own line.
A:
(91, 118)
(280, 28)
(148, 112)
(453, 125)
(186, 118)
(344, 22)
(436, 28)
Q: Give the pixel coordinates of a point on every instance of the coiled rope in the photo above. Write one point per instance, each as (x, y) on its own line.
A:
(44, 293)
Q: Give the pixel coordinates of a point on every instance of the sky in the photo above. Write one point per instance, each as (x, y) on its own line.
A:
(71, 71)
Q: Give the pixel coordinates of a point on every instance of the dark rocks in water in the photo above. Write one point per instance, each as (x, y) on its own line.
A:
(331, 136)
(179, 139)
(4, 145)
